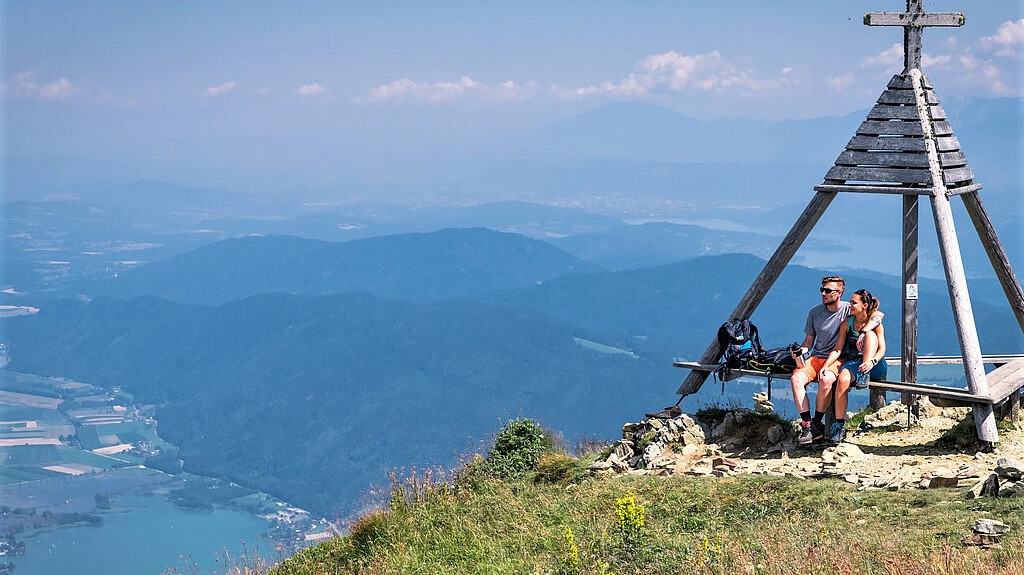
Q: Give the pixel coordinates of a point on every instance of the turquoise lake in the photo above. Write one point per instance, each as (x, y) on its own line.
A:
(144, 535)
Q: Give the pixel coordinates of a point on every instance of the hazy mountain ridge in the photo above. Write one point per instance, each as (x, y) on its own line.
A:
(437, 265)
(679, 306)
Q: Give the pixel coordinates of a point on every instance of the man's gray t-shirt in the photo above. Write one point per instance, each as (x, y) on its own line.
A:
(823, 326)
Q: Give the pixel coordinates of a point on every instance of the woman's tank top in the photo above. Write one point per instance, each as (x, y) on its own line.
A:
(852, 335)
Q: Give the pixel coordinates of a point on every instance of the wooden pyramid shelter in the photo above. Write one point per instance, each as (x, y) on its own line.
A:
(906, 146)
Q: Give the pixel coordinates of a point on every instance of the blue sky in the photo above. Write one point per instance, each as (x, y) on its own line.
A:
(104, 80)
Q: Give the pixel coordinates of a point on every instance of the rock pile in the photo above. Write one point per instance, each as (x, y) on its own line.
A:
(986, 533)
(653, 446)
(1006, 480)
(762, 404)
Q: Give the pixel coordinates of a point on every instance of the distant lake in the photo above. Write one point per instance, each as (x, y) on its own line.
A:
(141, 536)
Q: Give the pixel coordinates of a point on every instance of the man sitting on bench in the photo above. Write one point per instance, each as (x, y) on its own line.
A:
(821, 338)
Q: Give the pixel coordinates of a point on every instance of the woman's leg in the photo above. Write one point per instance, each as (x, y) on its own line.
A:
(870, 345)
(843, 393)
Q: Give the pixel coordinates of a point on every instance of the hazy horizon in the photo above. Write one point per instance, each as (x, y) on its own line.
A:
(259, 98)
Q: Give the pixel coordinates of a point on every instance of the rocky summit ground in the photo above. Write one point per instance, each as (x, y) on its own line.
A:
(880, 452)
(725, 491)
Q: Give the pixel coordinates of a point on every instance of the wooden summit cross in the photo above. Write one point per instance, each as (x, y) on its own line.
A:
(906, 147)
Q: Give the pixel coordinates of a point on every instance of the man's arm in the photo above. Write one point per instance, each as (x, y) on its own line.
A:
(874, 321)
(808, 333)
(837, 349)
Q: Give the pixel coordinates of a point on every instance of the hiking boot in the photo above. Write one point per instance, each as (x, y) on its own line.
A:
(817, 431)
(837, 433)
(806, 437)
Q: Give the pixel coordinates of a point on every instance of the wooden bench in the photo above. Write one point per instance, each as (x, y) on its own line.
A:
(1003, 382)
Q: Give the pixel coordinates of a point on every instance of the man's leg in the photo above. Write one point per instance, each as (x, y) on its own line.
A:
(799, 380)
(837, 432)
(826, 379)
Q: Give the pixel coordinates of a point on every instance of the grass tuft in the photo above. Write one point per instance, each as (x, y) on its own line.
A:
(555, 467)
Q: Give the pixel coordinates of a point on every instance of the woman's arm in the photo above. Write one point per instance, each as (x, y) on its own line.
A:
(874, 321)
(874, 351)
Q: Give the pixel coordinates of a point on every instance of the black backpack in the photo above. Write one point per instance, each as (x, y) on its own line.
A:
(738, 344)
(774, 361)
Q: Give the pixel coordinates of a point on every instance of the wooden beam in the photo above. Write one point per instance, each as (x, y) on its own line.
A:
(901, 128)
(905, 97)
(884, 159)
(891, 360)
(908, 339)
(783, 254)
(955, 359)
(996, 255)
(919, 20)
(903, 82)
(949, 246)
(886, 144)
(954, 175)
(897, 112)
(867, 189)
(1005, 380)
(896, 175)
(952, 159)
(972, 187)
(879, 128)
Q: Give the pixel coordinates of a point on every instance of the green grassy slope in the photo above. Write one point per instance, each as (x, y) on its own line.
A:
(751, 524)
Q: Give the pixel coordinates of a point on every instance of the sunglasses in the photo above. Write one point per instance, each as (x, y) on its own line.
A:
(826, 291)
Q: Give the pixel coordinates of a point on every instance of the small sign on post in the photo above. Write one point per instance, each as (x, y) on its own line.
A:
(911, 291)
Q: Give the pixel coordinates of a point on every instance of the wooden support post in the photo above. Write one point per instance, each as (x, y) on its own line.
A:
(1015, 406)
(908, 339)
(996, 255)
(912, 40)
(953, 264)
(776, 264)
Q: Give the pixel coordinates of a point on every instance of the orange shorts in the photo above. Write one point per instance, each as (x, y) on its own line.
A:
(812, 368)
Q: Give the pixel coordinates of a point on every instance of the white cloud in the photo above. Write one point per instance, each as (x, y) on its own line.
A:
(937, 61)
(892, 60)
(221, 89)
(25, 85)
(674, 72)
(986, 73)
(842, 82)
(313, 89)
(1006, 39)
(408, 90)
(664, 72)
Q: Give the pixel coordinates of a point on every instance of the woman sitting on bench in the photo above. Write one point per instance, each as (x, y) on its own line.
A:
(863, 354)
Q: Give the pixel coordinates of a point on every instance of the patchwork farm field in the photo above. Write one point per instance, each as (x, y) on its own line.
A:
(39, 455)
